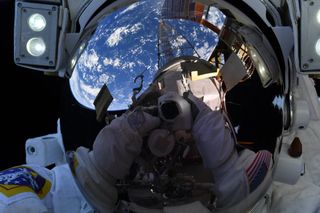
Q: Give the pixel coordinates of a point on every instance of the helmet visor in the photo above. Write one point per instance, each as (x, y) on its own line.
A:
(135, 41)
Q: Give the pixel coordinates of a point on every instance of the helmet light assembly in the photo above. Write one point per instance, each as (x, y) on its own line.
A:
(35, 34)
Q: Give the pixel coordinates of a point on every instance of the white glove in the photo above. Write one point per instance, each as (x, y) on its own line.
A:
(142, 122)
(214, 140)
(118, 144)
(217, 148)
(114, 150)
(198, 107)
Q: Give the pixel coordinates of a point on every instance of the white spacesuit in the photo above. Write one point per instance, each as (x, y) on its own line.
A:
(235, 173)
(259, 37)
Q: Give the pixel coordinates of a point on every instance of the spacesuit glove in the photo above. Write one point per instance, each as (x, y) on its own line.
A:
(217, 149)
(213, 140)
(114, 150)
(198, 107)
(142, 122)
(118, 144)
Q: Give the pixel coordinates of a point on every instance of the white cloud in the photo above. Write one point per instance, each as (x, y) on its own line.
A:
(115, 37)
(178, 42)
(85, 93)
(89, 89)
(99, 68)
(135, 51)
(121, 99)
(113, 62)
(205, 50)
(129, 64)
(117, 63)
(119, 33)
(141, 63)
(107, 61)
(216, 17)
(143, 40)
(106, 78)
(131, 7)
(194, 33)
(103, 78)
(74, 83)
(205, 29)
(76, 86)
(89, 59)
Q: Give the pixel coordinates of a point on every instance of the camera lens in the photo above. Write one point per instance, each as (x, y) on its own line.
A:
(169, 110)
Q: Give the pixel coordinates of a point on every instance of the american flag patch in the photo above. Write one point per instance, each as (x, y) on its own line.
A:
(258, 169)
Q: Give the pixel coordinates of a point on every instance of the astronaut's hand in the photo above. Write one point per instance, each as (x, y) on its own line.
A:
(118, 144)
(114, 150)
(142, 122)
(198, 107)
(213, 140)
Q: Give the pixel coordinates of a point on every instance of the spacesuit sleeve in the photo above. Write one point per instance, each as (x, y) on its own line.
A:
(115, 148)
(217, 148)
(118, 144)
(214, 140)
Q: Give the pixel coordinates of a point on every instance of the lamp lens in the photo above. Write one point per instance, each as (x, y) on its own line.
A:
(36, 47)
(37, 22)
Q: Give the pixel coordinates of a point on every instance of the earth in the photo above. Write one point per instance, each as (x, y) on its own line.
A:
(125, 45)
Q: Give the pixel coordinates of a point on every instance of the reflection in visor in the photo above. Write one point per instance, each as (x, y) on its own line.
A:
(142, 45)
(126, 44)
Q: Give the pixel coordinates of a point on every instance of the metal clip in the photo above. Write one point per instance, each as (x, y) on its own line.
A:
(137, 90)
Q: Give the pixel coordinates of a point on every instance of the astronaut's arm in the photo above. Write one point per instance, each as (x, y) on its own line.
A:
(118, 144)
(229, 168)
(217, 148)
(114, 150)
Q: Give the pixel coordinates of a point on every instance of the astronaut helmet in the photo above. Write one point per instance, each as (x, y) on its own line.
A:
(126, 47)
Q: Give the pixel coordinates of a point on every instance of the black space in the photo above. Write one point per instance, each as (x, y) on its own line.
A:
(251, 108)
(32, 102)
